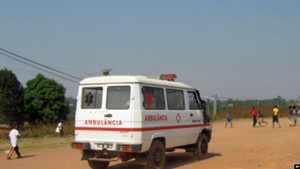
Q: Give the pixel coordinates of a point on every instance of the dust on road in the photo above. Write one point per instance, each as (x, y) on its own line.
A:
(241, 147)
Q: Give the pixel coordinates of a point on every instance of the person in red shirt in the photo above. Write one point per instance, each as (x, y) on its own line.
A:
(253, 112)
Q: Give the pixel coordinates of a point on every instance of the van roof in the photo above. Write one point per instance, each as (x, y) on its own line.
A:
(131, 79)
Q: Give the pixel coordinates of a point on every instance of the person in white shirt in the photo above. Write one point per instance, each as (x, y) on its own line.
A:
(59, 130)
(13, 136)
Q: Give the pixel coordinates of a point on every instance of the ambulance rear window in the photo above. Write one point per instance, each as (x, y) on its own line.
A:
(92, 98)
(118, 97)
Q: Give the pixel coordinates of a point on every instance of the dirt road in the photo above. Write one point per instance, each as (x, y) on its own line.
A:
(241, 147)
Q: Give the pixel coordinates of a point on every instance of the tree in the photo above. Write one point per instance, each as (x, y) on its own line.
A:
(11, 98)
(45, 101)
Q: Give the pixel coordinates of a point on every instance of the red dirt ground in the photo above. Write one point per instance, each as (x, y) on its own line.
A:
(241, 147)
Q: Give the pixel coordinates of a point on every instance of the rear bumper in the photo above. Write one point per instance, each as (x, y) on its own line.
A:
(125, 152)
(119, 147)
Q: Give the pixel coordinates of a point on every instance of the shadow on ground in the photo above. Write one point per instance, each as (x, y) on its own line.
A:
(173, 160)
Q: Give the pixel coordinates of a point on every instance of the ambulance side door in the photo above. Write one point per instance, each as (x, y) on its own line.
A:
(196, 116)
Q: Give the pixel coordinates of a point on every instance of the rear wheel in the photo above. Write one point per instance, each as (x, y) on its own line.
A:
(157, 156)
(201, 147)
(98, 164)
(125, 157)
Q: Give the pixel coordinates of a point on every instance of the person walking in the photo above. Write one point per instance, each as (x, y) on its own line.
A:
(295, 115)
(290, 116)
(261, 118)
(59, 129)
(253, 112)
(275, 116)
(13, 136)
(229, 120)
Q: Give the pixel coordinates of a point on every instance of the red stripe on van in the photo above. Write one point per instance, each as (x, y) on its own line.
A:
(140, 129)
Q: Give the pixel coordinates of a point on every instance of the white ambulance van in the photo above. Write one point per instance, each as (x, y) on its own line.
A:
(141, 118)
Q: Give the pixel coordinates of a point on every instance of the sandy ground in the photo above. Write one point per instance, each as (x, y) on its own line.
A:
(241, 147)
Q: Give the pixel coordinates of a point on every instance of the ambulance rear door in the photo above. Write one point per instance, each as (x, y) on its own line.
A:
(104, 117)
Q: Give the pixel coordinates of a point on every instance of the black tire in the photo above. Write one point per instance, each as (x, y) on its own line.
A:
(124, 157)
(98, 164)
(86, 154)
(201, 147)
(157, 156)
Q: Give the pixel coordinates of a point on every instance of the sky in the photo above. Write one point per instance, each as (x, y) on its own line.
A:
(235, 49)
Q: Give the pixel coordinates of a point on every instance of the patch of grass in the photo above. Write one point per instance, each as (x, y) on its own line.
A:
(39, 143)
(40, 130)
(39, 136)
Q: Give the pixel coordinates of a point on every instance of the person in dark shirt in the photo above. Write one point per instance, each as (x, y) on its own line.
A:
(261, 118)
(290, 116)
(295, 115)
(228, 120)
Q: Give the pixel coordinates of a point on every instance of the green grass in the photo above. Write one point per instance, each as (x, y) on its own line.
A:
(40, 130)
(39, 143)
(39, 136)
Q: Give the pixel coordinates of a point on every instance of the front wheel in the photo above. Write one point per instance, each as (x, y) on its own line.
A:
(201, 147)
(98, 164)
(157, 156)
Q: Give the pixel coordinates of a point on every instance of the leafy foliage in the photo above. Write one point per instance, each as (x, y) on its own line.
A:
(45, 101)
(11, 98)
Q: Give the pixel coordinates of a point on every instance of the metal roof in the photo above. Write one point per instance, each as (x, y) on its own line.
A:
(131, 79)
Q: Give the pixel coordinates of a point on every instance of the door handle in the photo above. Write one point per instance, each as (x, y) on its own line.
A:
(108, 115)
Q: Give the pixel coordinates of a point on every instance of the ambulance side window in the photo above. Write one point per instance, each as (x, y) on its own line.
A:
(175, 99)
(193, 101)
(118, 97)
(92, 98)
(153, 98)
